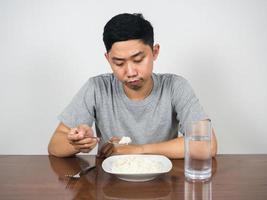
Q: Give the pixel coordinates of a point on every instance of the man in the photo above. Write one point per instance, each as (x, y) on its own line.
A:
(133, 101)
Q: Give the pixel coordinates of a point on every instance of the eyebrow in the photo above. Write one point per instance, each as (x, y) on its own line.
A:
(132, 56)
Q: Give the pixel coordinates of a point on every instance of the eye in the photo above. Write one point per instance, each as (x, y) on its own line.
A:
(119, 64)
(138, 61)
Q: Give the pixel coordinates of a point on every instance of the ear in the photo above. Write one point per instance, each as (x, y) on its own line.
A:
(107, 56)
(156, 48)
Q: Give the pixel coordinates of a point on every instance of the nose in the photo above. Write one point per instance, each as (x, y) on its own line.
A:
(131, 71)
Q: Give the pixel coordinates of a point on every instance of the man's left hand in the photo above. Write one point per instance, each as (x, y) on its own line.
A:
(113, 148)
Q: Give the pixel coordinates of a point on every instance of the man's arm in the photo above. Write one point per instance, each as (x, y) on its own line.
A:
(67, 142)
(59, 144)
(172, 149)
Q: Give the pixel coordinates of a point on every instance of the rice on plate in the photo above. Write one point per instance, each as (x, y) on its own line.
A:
(137, 167)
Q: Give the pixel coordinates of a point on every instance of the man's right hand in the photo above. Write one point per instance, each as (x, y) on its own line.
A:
(82, 138)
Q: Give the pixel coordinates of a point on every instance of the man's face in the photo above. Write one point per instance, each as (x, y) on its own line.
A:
(132, 62)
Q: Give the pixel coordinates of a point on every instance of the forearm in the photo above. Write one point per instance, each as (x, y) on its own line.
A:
(174, 148)
(59, 145)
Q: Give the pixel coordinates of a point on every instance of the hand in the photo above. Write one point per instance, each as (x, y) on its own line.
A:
(112, 147)
(108, 148)
(82, 138)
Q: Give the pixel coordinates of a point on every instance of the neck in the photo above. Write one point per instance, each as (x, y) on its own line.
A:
(141, 93)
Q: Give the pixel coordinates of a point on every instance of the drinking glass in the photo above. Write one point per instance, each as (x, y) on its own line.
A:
(198, 159)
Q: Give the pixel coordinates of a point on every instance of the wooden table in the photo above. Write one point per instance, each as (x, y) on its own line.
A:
(43, 177)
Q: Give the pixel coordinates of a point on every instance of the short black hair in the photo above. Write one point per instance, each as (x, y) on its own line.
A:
(127, 26)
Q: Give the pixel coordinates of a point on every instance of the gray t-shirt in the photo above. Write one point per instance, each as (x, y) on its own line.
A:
(169, 107)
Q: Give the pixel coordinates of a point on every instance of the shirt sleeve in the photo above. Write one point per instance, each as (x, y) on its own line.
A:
(81, 109)
(186, 104)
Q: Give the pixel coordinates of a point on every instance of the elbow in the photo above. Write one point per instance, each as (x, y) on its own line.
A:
(53, 150)
(214, 147)
(50, 150)
(213, 152)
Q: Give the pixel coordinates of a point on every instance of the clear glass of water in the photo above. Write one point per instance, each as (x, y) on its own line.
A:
(198, 159)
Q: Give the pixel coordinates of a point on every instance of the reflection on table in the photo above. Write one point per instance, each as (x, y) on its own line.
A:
(198, 190)
(100, 185)
(43, 177)
(83, 187)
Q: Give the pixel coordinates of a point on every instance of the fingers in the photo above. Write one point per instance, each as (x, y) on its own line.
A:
(86, 149)
(75, 135)
(87, 143)
(82, 138)
(81, 132)
(86, 130)
(106, 150)
(84, 141)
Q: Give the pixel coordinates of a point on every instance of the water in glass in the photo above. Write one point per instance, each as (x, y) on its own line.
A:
(197, 157)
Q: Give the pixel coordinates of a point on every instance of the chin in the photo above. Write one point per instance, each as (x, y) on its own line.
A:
(133, 87)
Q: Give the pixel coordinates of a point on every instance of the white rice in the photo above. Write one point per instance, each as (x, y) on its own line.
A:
(125, 140)
(134, 164)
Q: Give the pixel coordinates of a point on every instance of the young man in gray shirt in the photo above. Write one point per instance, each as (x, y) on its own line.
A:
(132, 101)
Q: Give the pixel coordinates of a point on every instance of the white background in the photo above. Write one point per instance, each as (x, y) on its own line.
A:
(48, 49)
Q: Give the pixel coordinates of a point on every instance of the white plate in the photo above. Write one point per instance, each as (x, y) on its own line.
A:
(137, 177)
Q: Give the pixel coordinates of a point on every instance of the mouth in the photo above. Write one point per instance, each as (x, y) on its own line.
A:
(134, 82)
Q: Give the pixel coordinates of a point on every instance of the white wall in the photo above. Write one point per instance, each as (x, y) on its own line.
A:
(48, 49)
